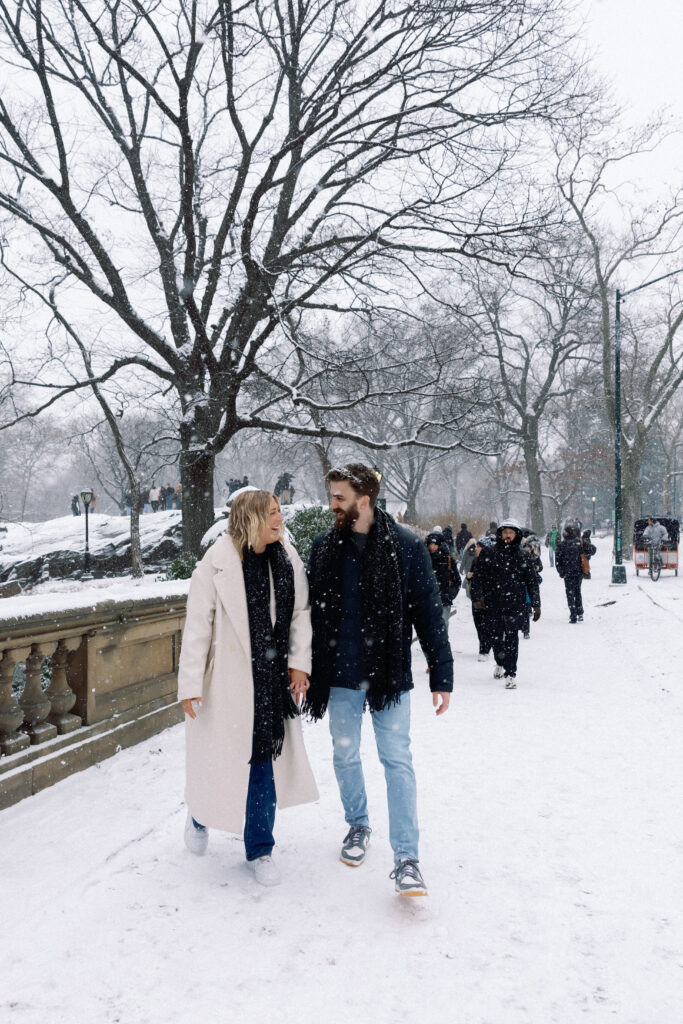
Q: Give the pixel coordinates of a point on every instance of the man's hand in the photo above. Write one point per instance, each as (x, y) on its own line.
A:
(298, 683)
(481, 605)
(537, 613)
(441, 702)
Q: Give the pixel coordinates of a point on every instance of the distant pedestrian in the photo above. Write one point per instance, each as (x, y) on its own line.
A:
(551, 543)
(447, 575)
(154, 497)
(480, 616)
(502, 576)
(178, 495)
(532, 546)
(572, 556)
(461, 538)
(75, 506)
(448, 538)
(492, 530)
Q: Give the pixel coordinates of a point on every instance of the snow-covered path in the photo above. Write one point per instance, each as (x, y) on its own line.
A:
(552, 842)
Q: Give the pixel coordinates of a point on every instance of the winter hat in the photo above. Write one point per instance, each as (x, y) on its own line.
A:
(433, 538)
(510, 524)
(482, 541)
(436, 529)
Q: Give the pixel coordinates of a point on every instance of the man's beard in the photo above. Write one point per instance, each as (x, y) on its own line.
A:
(344, 519)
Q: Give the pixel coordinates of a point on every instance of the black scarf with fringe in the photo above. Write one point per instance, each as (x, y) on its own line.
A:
(381, 597)
(273, 701)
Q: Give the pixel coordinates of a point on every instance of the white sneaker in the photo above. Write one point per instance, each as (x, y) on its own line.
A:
(196, 839)
(510, 683)
(265, 871)
(498, 672)
(483, 657)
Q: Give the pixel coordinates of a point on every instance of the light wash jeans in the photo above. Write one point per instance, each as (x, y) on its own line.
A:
(392, 735)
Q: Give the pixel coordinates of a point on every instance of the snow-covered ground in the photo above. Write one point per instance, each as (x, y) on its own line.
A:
(552, 843)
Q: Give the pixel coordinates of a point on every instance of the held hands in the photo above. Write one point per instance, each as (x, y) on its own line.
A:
(537, 613)
(481, 605)
(298, 684)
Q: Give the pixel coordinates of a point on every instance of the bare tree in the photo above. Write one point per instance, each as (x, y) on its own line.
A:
(204, 175)
(624, 235)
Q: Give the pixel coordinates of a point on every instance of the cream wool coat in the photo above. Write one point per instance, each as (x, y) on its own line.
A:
(215, 664)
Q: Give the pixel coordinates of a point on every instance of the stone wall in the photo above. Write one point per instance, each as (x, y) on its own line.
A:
(111, 682)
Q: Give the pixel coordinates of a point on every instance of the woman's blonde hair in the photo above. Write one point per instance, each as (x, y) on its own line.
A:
(249, 513)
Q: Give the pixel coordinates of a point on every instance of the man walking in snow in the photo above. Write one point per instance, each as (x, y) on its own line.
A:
(569, 555)
(371, 581)
(502, 576)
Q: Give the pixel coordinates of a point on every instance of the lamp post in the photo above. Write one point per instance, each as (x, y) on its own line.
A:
(593, 500)
(675, 476)
(618, 569)
(86, 498)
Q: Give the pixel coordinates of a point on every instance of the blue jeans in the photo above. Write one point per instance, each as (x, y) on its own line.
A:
(259, 818)
(392, 735)
(551, 555)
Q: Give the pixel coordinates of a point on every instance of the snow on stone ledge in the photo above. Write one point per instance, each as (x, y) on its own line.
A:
(75, 595)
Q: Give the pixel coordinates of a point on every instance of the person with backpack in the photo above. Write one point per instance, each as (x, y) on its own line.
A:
(572, 556)
(445, 570)
(480, 616)
(532, 546)
(461, 538)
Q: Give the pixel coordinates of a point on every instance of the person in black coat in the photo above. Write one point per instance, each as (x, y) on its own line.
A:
(371, 582)
(569, 565)
(461, 538)
(502, 576)
(447, 576)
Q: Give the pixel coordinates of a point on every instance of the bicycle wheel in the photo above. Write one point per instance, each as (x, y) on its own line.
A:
(656, 569)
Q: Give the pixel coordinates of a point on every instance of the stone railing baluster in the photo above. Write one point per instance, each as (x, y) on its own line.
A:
(35, 703)
(61, 696)
(11, 714)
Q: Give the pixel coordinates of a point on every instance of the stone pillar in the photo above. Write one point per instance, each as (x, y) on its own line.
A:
(11, 715)
(61, 696)
(35, 703)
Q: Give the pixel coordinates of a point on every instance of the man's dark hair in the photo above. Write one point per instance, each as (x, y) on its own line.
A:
(362, 478)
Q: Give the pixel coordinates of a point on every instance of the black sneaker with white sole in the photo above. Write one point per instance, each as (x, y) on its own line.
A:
(510, 683)
(407, 879)
(354, 846)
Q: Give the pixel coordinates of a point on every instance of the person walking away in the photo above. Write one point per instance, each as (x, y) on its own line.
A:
(75, 506)
(571, 562)
(480, 616)
(244, 665)
(154, 497)
(492, 531)
(447, 575)
(532, 546)
(499, 585)
(178, 496)
(551, 544)
(462, 538)
(371, 581)
(448, 538)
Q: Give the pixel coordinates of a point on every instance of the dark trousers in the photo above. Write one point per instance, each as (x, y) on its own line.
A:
(506, 648)
(482, 624)
(572, 585)
(259, 818)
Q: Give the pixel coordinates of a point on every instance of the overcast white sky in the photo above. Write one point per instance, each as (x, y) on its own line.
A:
(638, 45)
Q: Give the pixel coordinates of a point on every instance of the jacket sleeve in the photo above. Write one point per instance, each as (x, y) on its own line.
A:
(532, 583)
(426, 613)
(198, 631)
(559, 558)
(300, 633)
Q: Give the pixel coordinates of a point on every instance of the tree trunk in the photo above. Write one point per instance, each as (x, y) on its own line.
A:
(631, 495)
(196, 478)
(325, 463)
(535, 489)
(135, 546)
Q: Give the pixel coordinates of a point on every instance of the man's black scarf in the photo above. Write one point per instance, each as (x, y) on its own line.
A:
(273, 701)
(381, 595)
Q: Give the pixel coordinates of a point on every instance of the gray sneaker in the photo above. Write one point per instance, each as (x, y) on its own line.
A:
(354, 846)
(408, 880)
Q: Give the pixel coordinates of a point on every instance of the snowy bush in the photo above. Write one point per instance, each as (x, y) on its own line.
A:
(182, 567)
(306, 524)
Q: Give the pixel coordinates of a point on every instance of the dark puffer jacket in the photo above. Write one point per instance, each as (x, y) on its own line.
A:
(502, 576)
(568, 551)
(442, 561)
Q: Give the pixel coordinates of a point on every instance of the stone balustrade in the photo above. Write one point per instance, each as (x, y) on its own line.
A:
(112, 679)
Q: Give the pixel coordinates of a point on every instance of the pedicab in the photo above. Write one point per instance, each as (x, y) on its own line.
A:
(668, 553)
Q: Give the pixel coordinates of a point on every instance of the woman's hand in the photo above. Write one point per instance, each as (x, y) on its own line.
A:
(191, 706)
(298, 683)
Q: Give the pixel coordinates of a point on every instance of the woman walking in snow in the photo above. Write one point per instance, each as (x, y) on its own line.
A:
(244, 666)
